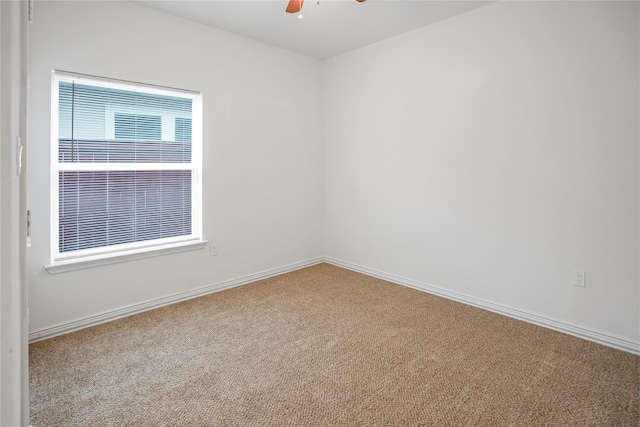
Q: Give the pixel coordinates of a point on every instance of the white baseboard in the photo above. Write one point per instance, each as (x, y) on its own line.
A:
(589, 335)
(594, 336)
(86, 322)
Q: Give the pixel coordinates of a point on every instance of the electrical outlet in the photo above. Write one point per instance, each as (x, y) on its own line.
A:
(213, 249)
(579, 278)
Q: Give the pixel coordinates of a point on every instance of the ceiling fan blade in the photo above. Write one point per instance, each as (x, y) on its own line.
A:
(294, 6)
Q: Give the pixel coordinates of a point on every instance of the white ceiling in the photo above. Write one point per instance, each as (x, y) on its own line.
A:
(328, 29)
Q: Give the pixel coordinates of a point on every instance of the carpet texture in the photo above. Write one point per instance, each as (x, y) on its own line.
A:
(324, 346)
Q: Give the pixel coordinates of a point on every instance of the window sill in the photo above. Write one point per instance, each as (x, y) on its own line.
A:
(96, 261)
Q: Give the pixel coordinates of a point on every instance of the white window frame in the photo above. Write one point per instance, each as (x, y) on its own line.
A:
(115, 253)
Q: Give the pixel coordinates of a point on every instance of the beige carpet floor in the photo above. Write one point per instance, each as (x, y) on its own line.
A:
(324, 346)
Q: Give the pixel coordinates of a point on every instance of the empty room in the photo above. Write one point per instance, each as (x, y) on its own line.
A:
(344, 213)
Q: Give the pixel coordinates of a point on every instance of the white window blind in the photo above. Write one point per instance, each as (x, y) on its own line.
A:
(125, 166)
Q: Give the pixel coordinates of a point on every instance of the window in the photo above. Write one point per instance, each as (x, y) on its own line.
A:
(125, 173)
(183, 129)
(137, 127)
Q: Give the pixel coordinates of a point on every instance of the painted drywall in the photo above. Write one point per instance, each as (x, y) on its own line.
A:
(491, 154)
(262, 155)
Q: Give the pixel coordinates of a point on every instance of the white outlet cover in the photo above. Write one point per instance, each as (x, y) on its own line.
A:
(579, 278)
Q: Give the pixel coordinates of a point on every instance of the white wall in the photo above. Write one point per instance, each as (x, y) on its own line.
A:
(491, 154)
(262, 150)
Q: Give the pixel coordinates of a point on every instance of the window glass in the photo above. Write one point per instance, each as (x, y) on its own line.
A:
(127, 167)
(136, 127)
